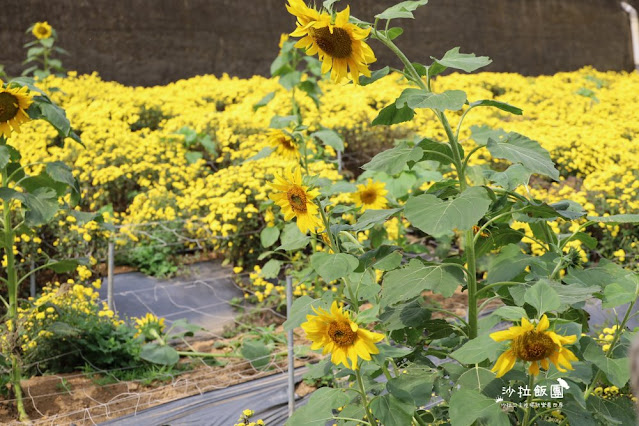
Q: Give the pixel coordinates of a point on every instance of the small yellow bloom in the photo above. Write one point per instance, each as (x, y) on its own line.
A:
(296, 200)
(620, 254)
(283, 143)
(371, 195)
(336, 333)
(283, 39)
(534, 344)
(42, 30)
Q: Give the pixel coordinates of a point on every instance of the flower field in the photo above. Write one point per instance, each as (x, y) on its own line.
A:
(136, 160)
(359, 203)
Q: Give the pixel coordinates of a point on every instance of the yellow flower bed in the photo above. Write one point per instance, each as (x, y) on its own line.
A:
(584, 118)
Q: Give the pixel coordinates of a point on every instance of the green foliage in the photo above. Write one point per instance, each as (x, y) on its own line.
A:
(79, 338)
(199, 145)
(153, 259)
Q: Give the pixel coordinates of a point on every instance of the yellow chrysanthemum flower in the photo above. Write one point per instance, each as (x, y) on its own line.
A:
(14, 102)
(283, 144)
(334, 332)
(534, 344)
(295, 199)
(340, 45)
(371, 195)
(42, 30)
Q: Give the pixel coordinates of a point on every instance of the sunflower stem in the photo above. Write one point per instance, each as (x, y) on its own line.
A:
(531, 384)
(12, 289)
(386, 371)
(333, 239)
(362, 390)
(469, 248)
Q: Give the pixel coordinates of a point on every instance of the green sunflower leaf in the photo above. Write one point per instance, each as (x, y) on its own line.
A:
(371, 218)
(392, 161)
(616, 370)
(542, 297)
(439, 218)
(333, 266)
(478, 350)
(452, 100)
(271, 269)
(375, 75)
(319, 409)
(392, 115)
(391, 411)
(410, 281)
(264, 101)
(467, 406)
(330, 138)
(618, 218)
(401, 10)
(463, 61)
(520, 149)
(499, 105)
(269, 236)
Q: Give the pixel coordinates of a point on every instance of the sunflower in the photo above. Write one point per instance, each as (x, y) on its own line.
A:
(371, 195)
(14, 102)
(42, 30)
(295, 199)
(334, 332)
(535, 344)
(283, 144)
(339, 45)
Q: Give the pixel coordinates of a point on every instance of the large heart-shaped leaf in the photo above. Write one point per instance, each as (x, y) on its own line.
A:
(520, 149)
(438, 218)
(408, 282)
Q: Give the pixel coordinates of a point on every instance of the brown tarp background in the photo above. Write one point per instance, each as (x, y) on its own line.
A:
(149, 42)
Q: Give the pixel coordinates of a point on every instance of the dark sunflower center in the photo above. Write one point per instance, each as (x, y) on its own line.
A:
(8, 106)
(297, 199)
(368, 196)
(42, 30)
(337, 44)
(533, 346)
(341, 333)
(287, 144)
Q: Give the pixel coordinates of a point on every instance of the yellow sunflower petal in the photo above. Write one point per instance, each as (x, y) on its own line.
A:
(505, 363)
(543, 324)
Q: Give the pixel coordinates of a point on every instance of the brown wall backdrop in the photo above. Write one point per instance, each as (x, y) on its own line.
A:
(149, 42)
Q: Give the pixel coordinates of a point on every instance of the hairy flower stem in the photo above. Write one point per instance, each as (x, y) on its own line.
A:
(362, 390)
(469, 244)
(333, 240)
(531, 384)
(12, 287)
